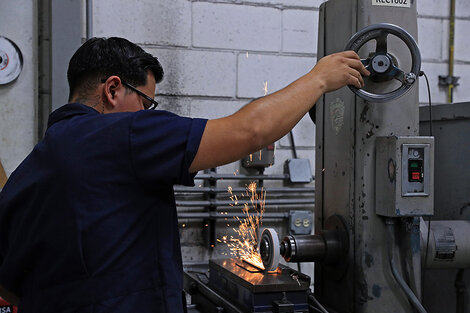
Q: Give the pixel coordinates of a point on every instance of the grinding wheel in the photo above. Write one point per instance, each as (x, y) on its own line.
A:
(269, 249)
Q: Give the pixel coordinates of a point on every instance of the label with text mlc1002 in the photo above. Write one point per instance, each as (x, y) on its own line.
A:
(392, 3)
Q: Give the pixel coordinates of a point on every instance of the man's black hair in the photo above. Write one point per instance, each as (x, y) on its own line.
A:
(99, 58)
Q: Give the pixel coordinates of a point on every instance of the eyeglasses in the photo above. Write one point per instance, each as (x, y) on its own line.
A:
(152, 105)
(148, 106)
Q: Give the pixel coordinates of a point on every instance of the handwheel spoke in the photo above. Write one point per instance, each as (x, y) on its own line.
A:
(381, 46)
(397, 74)
(366, 63)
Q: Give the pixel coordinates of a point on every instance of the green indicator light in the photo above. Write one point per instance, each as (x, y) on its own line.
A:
(413, 164)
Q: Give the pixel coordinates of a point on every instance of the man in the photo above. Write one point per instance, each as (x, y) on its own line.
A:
(88, 220)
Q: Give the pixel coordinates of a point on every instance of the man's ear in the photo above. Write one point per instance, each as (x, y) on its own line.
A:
(110, 89)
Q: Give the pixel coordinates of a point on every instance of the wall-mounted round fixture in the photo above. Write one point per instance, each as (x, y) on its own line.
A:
(11, 61)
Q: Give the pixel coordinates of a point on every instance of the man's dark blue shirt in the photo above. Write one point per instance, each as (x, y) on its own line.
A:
(88, 220)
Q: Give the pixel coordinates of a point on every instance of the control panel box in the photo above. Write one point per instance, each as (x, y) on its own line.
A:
(404, 176)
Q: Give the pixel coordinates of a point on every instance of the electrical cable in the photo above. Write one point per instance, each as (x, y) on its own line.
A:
(314, 308)
(401, 282)
(294, 148)
(320, 307)
(422, 73)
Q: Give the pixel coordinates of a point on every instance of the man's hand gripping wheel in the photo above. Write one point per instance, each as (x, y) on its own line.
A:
(381, 64)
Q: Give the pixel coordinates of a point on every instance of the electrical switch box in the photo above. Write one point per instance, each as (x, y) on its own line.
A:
(404, 175)
(260, 159)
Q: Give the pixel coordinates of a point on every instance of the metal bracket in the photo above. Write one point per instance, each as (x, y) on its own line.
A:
(446, 80)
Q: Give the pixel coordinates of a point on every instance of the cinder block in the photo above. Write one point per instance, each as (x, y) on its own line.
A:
(278, 71)
(462, 92)
(217, 25)
(462, 8)
(442, 8)
(431, 40)
(157, 22)
(462, 40)
(433, 8)
(199, 73)
(299, 31)
(438, 94)
(291, 3)
(176, 105)
(304, 135)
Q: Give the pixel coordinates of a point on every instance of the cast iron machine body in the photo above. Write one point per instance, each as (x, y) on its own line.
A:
(347, 128)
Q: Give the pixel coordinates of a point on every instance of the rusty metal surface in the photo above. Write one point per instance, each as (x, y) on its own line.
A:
(346, 131)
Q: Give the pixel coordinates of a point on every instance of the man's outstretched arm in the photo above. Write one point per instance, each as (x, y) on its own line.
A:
(267, 119)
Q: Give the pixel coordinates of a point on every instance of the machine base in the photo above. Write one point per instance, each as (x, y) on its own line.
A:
(232, 285)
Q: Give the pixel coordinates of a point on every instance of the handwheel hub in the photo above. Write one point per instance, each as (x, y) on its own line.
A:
(381, 63)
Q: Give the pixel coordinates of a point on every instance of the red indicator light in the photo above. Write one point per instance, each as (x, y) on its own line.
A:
(415, 175)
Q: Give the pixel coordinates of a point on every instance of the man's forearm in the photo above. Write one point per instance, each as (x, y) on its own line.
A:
(276, 114)
(267, 119)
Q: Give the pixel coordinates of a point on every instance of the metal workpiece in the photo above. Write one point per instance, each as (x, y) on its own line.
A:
(345, 165)
(449, 244)
(235, 286)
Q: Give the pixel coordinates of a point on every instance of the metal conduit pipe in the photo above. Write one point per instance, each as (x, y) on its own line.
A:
(89, 19)
(219, 215)
(217, 203)
(183, 189)
(401, 282)
(215, 176)
(450, 92)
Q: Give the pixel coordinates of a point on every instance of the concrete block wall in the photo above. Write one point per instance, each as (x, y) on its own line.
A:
(433, 32)
(220, 54)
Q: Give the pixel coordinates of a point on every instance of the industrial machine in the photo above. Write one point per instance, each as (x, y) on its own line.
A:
(374, 188)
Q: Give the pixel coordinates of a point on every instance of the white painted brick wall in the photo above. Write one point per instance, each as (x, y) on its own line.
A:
(291, 3)
(442, 8)
(462, 92)
(432, 34)
(218, 25)
(193, 72)
(278, 71)
(165, 22)
(462, 40)
(299, 31)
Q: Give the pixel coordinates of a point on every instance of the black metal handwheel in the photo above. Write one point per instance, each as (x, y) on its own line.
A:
(381, 64)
